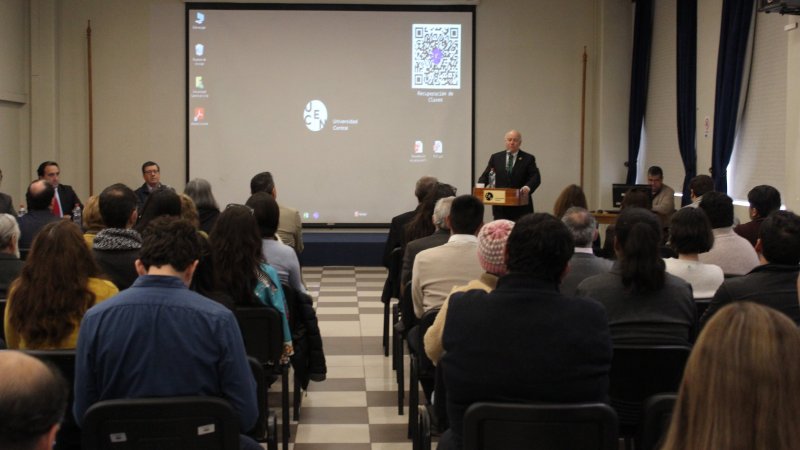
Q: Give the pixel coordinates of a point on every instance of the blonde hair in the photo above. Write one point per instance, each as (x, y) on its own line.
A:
(92, 220)
(189, 210)
(741, 386)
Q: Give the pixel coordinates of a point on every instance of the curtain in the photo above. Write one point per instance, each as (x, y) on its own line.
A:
(687, 97)
(640, 73)
(735, 30)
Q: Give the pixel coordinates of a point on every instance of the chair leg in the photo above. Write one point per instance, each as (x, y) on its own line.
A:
(413, 400)
(386, 327)
(398, 354)
(285, 405)
(298, 397)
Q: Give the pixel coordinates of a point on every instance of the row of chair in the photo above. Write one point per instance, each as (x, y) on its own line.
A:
(581, 426)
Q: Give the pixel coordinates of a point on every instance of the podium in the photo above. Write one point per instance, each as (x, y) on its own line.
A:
(501, 196)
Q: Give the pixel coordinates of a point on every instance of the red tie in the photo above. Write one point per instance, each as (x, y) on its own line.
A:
(56, 208)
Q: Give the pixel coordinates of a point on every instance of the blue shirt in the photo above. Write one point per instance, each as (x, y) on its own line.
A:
(159, 339)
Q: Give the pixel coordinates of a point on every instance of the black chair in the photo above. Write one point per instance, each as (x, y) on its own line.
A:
(404, 320)
(422, 368)
(3, 302)
(657, 417)
(266, 428)
(262, 332)
(199, 423)
(574, 426)
(702, 305)
(391, 289)
(639, 372)
(69, 435)
(423, 431)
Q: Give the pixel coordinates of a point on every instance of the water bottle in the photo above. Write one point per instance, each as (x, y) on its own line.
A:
(492, 178)
(22, 211)
(77, 216)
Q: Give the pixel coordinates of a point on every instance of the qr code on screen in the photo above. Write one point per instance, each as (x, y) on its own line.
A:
(436, 56)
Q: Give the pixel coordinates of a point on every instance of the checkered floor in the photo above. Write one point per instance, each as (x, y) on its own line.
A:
(356, 407)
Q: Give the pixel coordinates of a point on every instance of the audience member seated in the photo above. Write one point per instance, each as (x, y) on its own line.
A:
(159, 339)
(116, 248)
(10, 264)
(397, 228)
(764, 200)
(161, 202)
(242, 272)
(731, 252)
(92, 220)
(6, 203)
(65, 198)
(189, 211)
(151, 172)
(774, 282)
(437, 270)
(633, 198)
(663, 196)
(698, 186)
(33, 397)
(200, 192)
(439, 237)
(690, 234)
(645, 305)
(525, 341)
(58, 283)
(205, 280)
(740, 385)
(583, 263)
(290, 227)
(39, 198)
(571, 196)
(492, 256)
(279, 255)
(421, 224)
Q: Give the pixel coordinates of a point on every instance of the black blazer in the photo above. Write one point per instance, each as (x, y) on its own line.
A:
(7, 205)
(68, 199)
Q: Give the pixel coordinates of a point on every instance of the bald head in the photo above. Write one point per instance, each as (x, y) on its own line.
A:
(40, 195)
(513, 140)
(33, 398)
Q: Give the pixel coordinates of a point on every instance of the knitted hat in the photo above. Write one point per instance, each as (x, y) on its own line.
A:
(492, 246)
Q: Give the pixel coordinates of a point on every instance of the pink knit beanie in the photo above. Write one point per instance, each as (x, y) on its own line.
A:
(492, 246)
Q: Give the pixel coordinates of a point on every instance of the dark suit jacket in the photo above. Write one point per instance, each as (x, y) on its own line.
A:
(7, 205)
(522, 342)
(581, 267)
(524, 173)
(68, 199)
(31, 223)
(773, 285)
(396, 234)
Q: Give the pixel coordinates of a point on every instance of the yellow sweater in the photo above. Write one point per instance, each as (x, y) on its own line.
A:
(102, 290)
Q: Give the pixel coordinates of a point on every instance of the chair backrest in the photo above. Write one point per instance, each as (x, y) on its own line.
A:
(702, 305)
(657, 417)
(641, 371)
(262, 332)
(69, 435)
(200, 423)
(406, 306)
(574, 426)
(3, 302)
(259, 431)
(426, 367)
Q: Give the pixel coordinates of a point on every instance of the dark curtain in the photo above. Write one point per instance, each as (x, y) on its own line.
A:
(687, 98)
(640, 74)
(733, 39)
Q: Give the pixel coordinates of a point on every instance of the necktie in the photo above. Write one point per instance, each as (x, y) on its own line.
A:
(56, 207)
(509, 162)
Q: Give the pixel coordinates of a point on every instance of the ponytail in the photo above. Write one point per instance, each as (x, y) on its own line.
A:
(639, 236)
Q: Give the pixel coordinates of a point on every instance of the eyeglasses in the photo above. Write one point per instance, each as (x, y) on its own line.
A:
(237, 205)
(150, 172)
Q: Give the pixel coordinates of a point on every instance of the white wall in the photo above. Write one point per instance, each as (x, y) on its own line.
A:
(528, 76)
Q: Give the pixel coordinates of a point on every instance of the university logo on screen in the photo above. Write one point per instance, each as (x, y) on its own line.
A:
(315, 115)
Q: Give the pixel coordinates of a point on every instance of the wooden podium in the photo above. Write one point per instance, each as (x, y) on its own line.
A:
(501, 196)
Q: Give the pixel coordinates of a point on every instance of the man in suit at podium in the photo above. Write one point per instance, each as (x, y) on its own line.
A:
(513, 168)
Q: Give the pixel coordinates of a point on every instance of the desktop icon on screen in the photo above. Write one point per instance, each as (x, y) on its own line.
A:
(437, 147)
(199, 49)
(200, 18)
(418, 147)
(199, 114)
(198, 83)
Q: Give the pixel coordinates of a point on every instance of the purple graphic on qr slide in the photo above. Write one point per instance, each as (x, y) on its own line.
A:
(436, 55)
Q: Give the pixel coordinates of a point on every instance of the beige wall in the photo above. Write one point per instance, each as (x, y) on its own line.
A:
(528, 76)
